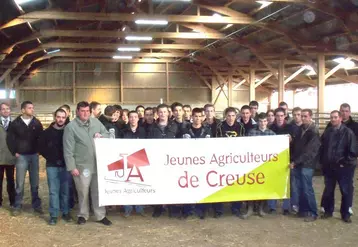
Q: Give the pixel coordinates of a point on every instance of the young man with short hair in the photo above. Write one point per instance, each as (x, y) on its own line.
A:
(134, 131)
(187, 113)
(80, 159)
(164, 128)
(254, 107)
(196, 130)
(109, 120)
(280, 127)
(148, 118)
(7, 160)
(338, 156)
(96, 109)
(304, 159)
(67, 109)
(140, 110)
(229, 128)
(246, 120)
(284, 106)
(177, 110)
(210, 119)
(260, 130)
(51, 148)
(22, 139)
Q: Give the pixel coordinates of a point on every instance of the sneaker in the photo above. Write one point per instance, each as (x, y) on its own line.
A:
(16, 212)
(310, 218)
(67, 217)
(326, 216)
(38, 210)
(286, 212)
(81, 221)
(105, 221)
(351, 211)
(157, 213)
(347, 219)
(52, 221)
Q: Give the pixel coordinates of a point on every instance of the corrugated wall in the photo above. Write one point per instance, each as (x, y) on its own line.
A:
(108, 82)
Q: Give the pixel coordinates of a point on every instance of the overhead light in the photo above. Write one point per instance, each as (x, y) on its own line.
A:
(30, 26)
(38, 40)
(227, 26)
(346, 64)
(264, 4)
(54, 51)
(196, 31)
(45, 51)
(128, 49)
(19, 2)
(139, 38)
(311, 70)
(123, 28)
(122, 57)
(216, 15)
(132, 13)
(151, 22)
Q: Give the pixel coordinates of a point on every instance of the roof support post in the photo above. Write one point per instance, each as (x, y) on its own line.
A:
(281, 80)
(321, 83)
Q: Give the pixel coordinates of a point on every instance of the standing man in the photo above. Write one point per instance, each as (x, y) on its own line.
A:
(229, 128)
(280, 127)
(196, 130)
(284, 106)
(163, 128)
(80, 158)
(140, 110)
(22, 139)
(177, 110)
(211, 121)
(260, 130)
(134, 131)
(96, 109)
(245, 119)
(148, 118)
(187, 113)
(304, 158)
(51, 148)
(254, 107)
(338, 156)
(7, 160)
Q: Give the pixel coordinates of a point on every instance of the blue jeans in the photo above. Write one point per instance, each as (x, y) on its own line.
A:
(26, 163)
(57, 179)
(307, 199)
(235, 207)
(188, 209)
(295, 184)
(272, 204)
(344, 177)
(138, 208)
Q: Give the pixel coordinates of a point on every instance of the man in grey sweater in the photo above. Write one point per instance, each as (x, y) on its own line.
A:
(80, 158)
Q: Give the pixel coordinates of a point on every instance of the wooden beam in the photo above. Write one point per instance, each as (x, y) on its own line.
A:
(111, 54)
(113, 46)
(336, 68)
(281, 81)
(239, 84)
(167, 81)
(74, 100)
(5, 74)
(202, 78)
(230, 90)
(321, 83)
(252, 85)
(263, 80)
(299, 71)
(121, 83)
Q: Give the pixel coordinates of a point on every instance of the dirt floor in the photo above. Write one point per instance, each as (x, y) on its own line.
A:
(32, 230)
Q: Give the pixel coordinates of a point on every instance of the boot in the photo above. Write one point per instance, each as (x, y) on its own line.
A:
(250, 210)
(261, 210)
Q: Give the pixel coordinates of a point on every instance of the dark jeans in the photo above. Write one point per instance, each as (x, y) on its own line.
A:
(218, 207)
(57, 179)
(344, 177)
(129, 208)
(188, 209)
(26, 163)
(307, 199)
(295, 184)
(10, 182)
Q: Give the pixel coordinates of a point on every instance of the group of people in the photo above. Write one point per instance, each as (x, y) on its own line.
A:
(68, 147)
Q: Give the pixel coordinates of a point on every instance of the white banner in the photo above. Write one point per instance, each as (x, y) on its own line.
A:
(178, 171)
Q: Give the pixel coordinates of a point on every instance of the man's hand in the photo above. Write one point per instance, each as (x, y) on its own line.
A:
(292, 165)
(17, 155)
(75, 173)
(98, 135)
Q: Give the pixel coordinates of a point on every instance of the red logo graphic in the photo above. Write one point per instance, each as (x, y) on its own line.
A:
(135, 160)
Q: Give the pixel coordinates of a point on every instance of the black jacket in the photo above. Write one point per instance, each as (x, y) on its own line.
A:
(147, 126)
(351, 124)
(181, 127)
(51, 146)
(224, 130)
(203, 132)
(338, 148)
(22, 139)
(282, 130)
(305, 147)
(170, 131)
(108, 124)
(127, 133)
(213, 126)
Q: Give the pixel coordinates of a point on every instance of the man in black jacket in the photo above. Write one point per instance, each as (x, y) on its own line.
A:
(210, 120)
(338, 156)
(177, 110)
(109, 119)
(163, 128)
(22, 138)
(148, 118)
(229, 128)
(304, 158)
(51, 148)
(196, 130)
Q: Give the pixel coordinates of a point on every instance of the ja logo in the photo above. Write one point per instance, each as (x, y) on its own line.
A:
(127, 168)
